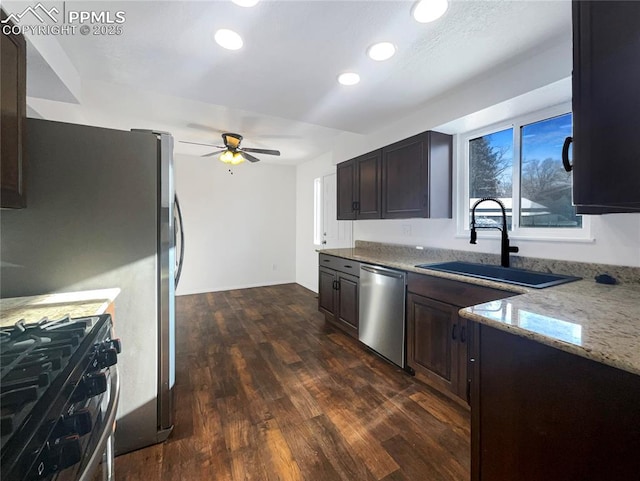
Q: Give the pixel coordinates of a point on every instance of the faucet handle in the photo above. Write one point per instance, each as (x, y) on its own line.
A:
(513, 249)
(474, 236)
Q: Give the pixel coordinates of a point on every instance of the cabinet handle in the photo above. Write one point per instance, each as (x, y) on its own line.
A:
(337, 285)
(353, 205)
(357, 206)
(327, 260)
(348, 266)
(565, 154)
(453, 331)
(463, 334)
(333, 285)
(469, 391)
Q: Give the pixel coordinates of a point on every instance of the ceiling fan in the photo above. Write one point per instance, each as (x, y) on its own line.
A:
(232, 153)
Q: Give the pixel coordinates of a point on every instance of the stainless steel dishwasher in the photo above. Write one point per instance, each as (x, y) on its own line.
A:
(382, 308)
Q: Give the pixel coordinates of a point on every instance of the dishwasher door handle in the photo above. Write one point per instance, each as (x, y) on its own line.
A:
(382, 271)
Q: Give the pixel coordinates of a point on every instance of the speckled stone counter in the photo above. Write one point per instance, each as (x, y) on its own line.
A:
(595, 321)
(55, 306)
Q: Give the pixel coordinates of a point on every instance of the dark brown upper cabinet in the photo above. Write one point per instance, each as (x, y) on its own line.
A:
(606, 106)
(410, 178)
(13, 86)
(359, 184)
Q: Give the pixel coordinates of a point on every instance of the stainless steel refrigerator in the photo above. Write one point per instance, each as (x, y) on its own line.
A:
(100, 213)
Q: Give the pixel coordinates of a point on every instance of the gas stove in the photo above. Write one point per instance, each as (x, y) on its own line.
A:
(58, 396)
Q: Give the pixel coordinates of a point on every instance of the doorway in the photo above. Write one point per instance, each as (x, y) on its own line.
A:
(334, 233)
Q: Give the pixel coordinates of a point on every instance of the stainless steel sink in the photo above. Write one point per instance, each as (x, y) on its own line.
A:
(521, 277)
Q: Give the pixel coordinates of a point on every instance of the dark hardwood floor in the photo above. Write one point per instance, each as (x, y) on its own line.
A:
(265, 391)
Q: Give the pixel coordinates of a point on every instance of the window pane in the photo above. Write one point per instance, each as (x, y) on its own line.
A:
(490, 175)
(545, 185)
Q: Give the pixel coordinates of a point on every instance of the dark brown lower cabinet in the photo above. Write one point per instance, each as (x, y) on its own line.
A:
(437, 336)
(338, 294)
(539, 413)
(326, 290)
(433, 349)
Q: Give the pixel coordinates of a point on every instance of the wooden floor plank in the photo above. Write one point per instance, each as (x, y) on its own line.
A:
(266, 391)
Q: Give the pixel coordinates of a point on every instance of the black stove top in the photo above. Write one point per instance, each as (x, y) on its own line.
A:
(49, 373)
(32, 356)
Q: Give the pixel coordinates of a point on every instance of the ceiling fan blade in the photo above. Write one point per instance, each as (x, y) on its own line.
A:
(261, 151)
(250, 157)
(199, 143)
(213, 153)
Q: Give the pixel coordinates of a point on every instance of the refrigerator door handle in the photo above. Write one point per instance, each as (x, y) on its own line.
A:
(178, 228)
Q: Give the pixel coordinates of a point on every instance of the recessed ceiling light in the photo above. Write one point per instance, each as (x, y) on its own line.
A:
(429, 10)
(228, 39)
(246, 3)
(349, 78)
(382, 51)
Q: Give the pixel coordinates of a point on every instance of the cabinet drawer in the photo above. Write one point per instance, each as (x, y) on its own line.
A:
(459, 294)
(340, 264)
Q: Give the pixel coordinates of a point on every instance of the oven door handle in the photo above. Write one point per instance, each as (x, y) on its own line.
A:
(105, 440)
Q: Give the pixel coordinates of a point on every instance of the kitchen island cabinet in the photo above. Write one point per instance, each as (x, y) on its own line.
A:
(539, 413)
(338, 286)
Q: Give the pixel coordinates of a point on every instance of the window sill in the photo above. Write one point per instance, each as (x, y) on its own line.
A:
(569, 240)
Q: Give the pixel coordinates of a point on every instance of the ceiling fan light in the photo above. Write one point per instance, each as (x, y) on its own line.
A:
(226, 157)
(349, 78)
(426, 11)
(381, 51)
(237, 159)
(228, 39)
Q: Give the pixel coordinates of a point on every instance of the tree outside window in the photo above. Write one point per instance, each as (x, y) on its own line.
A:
(544, 187)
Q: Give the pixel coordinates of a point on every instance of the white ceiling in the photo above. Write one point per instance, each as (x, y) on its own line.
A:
(280, 90)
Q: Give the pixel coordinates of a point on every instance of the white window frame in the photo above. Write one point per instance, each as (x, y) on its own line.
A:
(582, 234)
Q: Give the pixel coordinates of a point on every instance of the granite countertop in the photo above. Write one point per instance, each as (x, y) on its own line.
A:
(595, 321)
(55, 306)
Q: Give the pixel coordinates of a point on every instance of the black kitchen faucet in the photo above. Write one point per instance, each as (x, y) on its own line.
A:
(505, 249)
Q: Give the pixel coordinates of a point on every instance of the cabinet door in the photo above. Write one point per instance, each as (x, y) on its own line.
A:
(326, 290)
(346, 180)
(432, 334)
(368, 185)
(13, 102)
(462, 379)
(416, 177)
(546, 414)
(606, 75)
(347, 303)
(405, 178)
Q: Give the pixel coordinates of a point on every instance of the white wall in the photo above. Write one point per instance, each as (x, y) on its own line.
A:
(529, 83)
(616, 239)
(306, 256)
(239, 229)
